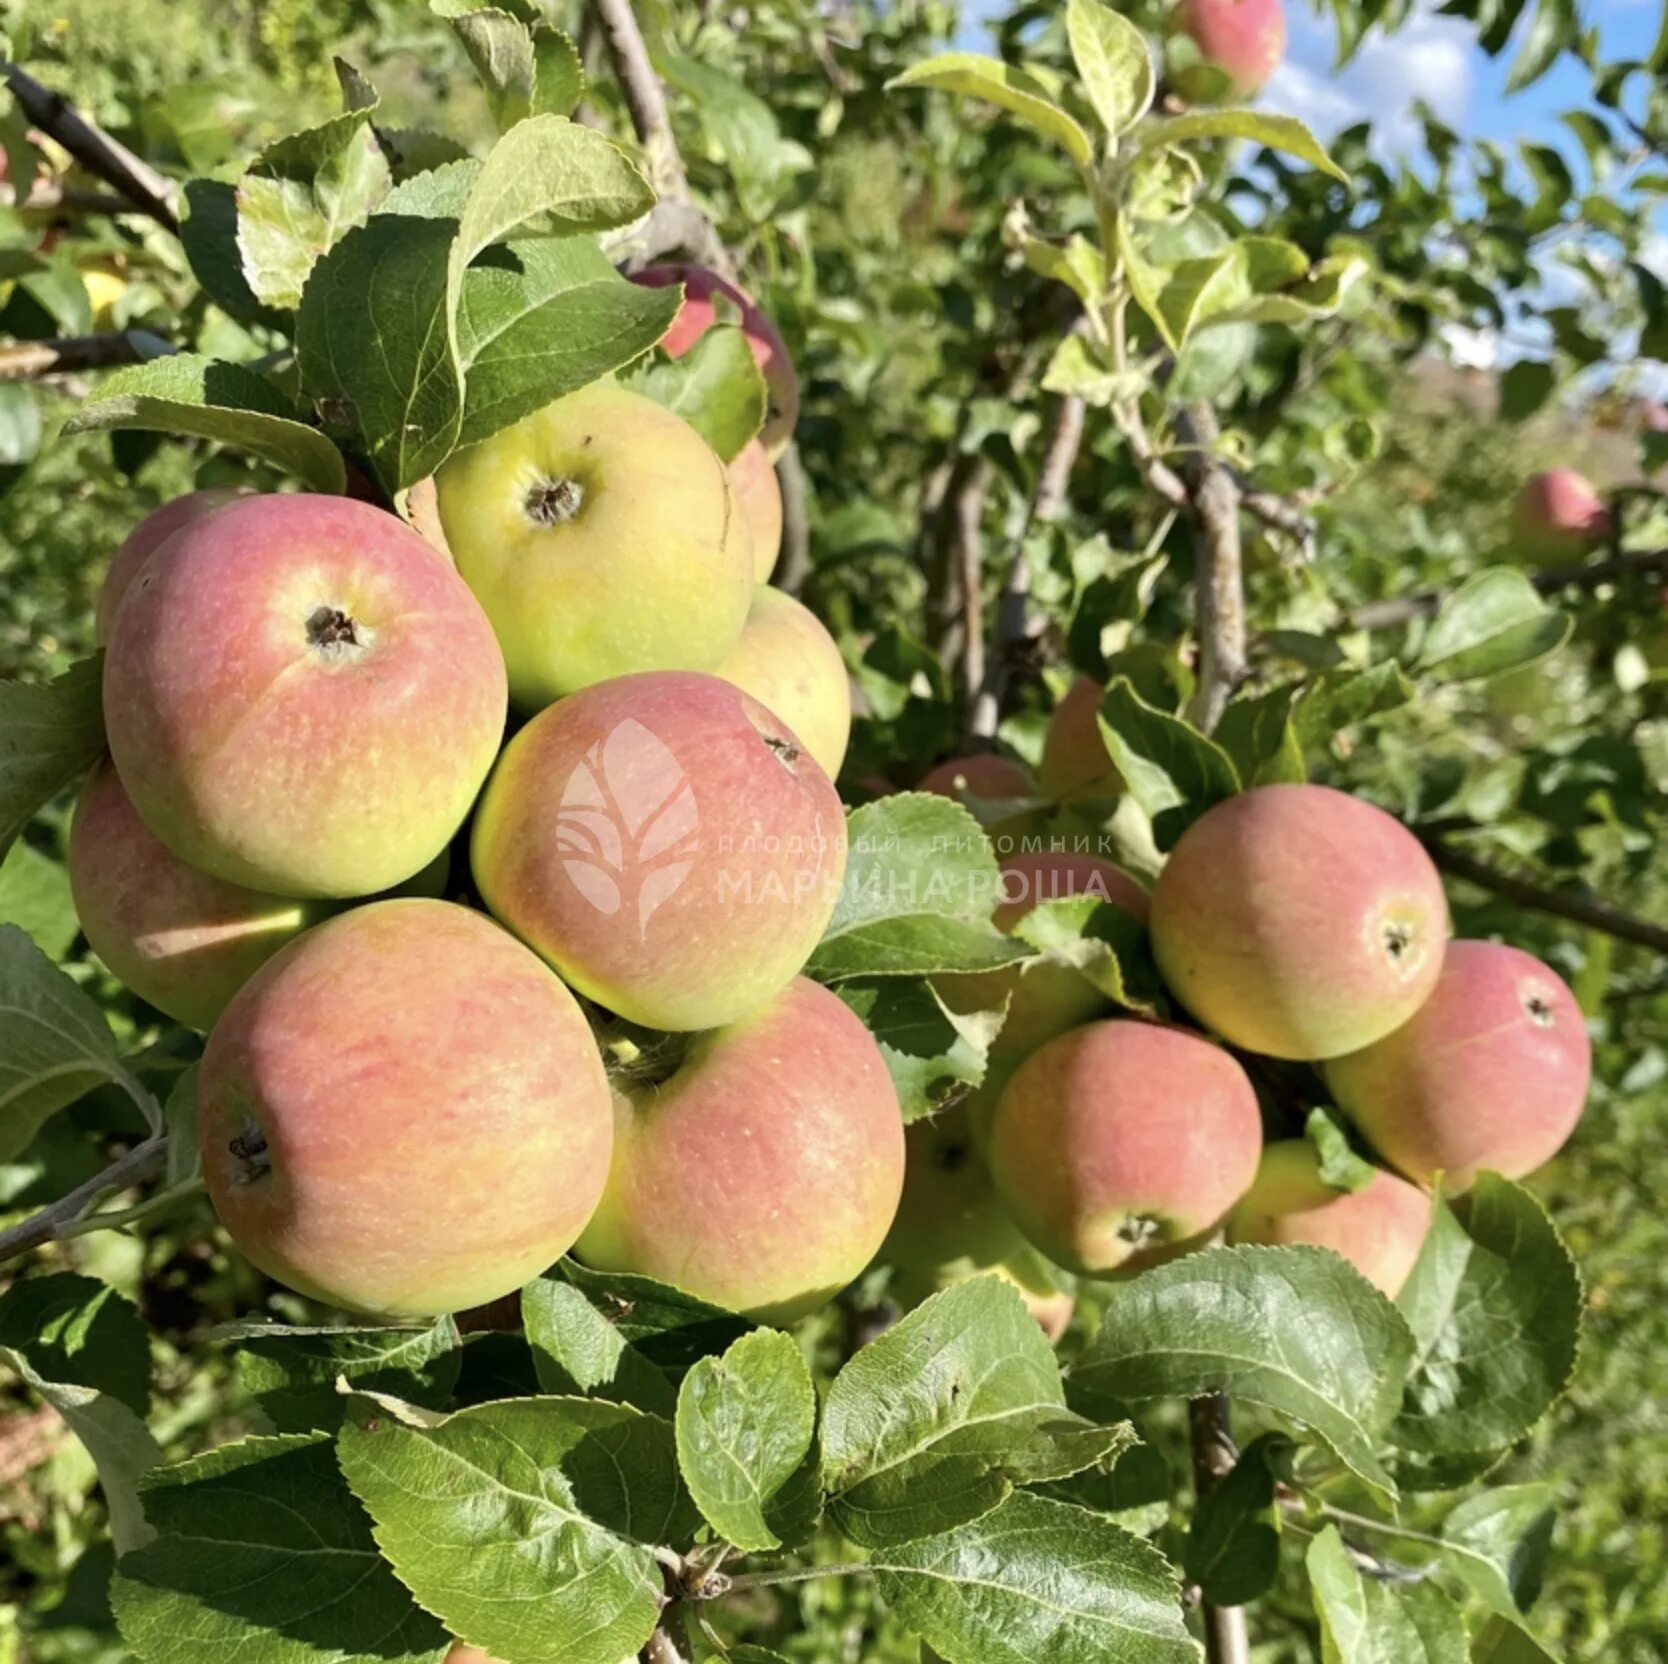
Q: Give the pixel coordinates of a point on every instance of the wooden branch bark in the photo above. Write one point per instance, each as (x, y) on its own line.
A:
(30, 360)
(1226, 1638)
(56, 1222)
(50, 195)
(94, 149)
(1218, 575)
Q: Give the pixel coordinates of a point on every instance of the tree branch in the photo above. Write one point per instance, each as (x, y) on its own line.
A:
(968, 552)
(1558, 904)
(30, 360)
(51, 194)
(1226, 1640)
(94, 149)
(1218, 575)
(59, 1222)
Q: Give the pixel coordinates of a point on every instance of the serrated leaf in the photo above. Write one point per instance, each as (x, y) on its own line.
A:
(50, 735)
(1498, 1541)
(292, 1372)
(1261, 739)
(919, 888)
(670, 1328)
(715, 387)
(1112, 57)
(1296, 1330)
(577, 1351)
(1494, 622)
(1101, 941)
(1077, 263)
(81, 1349)
(1344, 698)
(935, 1422)
(559, 74)
(1233, 1545)
(1014, 90)
(935, 1055)
(1494, 1303)
(500, 49)
(1230, 285)
(207, 398)
(746, 1428)
(263, 1554)
(526, 1525)
(1076, 371)
(1038, 1579)
(1173, 772)
(1367, 1622)
(1276, 132)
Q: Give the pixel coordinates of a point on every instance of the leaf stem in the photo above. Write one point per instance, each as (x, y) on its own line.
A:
(71, 1214)
(795, 1574)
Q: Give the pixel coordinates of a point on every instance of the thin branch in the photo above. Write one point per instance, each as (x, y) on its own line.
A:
(968, 552)
(53, 195)
(1226, 1638)
(1218, 573)
(30, 360)
(795, 565)
(661, 1649)
(64, 1217)
(94, 149)
(1558, 904)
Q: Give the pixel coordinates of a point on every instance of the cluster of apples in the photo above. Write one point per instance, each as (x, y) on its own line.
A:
(404, 1106)
(1293, 923)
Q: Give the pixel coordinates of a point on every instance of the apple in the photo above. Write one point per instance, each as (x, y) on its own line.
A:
(789, 663)
(1490, 1073)
(988, 776)
(753, 476)
(1379, 1229)
(765, 1172)
(1240, 44)
(1559, 517)
(709, 299)
(143, 541)
(404, 1113)
(603, 536)
(1075, 762)
(666, 843)
(1123, 1143)
(1299, 922)
(301, 698)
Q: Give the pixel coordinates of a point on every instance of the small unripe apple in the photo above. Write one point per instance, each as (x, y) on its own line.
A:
(143, 541)
(789, 663)
(1490, 1073)
(1379, 1229)
(1121, 1144)
(1559, 517)
(1299, 922)
(666, 843)
(709, 299)
(301, 698)
(1240, 44)
(603, 536)
(754, 477)
(1075, 762)
(763, 1175)
(404, 1113)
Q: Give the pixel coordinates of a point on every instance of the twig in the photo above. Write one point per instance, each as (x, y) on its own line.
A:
(795, 567)
(30, 360)
(1226, 1639)
(93, 148)
(968, 553)
(661, 1649)
(1218, 576)
(1558, 904)
(1013, 607)
(59, 1222)
(69, 199)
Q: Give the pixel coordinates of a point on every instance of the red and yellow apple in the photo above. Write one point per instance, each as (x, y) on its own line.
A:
(603, 536)
(404, 1113)
(1490, 1073)
(986, 775)
(667, 843)
(1558, 516)
(754, 477)
(764, 1173)
(1075, 762)
(143, 541)
(1121, 1144)
(1299, 922)
(1239, 45)
(301, 698)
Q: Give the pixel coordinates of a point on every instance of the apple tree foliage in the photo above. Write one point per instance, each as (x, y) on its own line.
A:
(955, 244)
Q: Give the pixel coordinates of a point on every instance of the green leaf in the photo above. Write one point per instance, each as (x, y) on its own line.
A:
(1500, 1641)
(1233, 1545)
(1076, 370)
(670, 1328)
(715, 387)
(35, 896)
(746, 1427)
(578, 1352)
(935, 1422)
(500, 49)
(1295, 1330)
(209, 236)
(1494, 622)
(1261, 740)
(1112, 57)
(1077, 263)
(559, 79)
(1556, 28)
(206, 398)
(50, 735)
(82, 1349)
(54, 1043)
(1014, 90)
(1497, 1543)
(1367, 1622)
(1233, 284)
(1339, 1165)
(292, 1372)
(1102, 942)
(541, 317)
(919, 889)
(526, 1526)
(1283, 133)
(1525, 387)
(1038, 1579)
(1494, 1303)
(263, 1555)
(1173, 771)
(934, 1054)
(1344, 698)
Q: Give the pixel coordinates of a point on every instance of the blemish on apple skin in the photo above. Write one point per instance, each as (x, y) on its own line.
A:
(785, 751)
